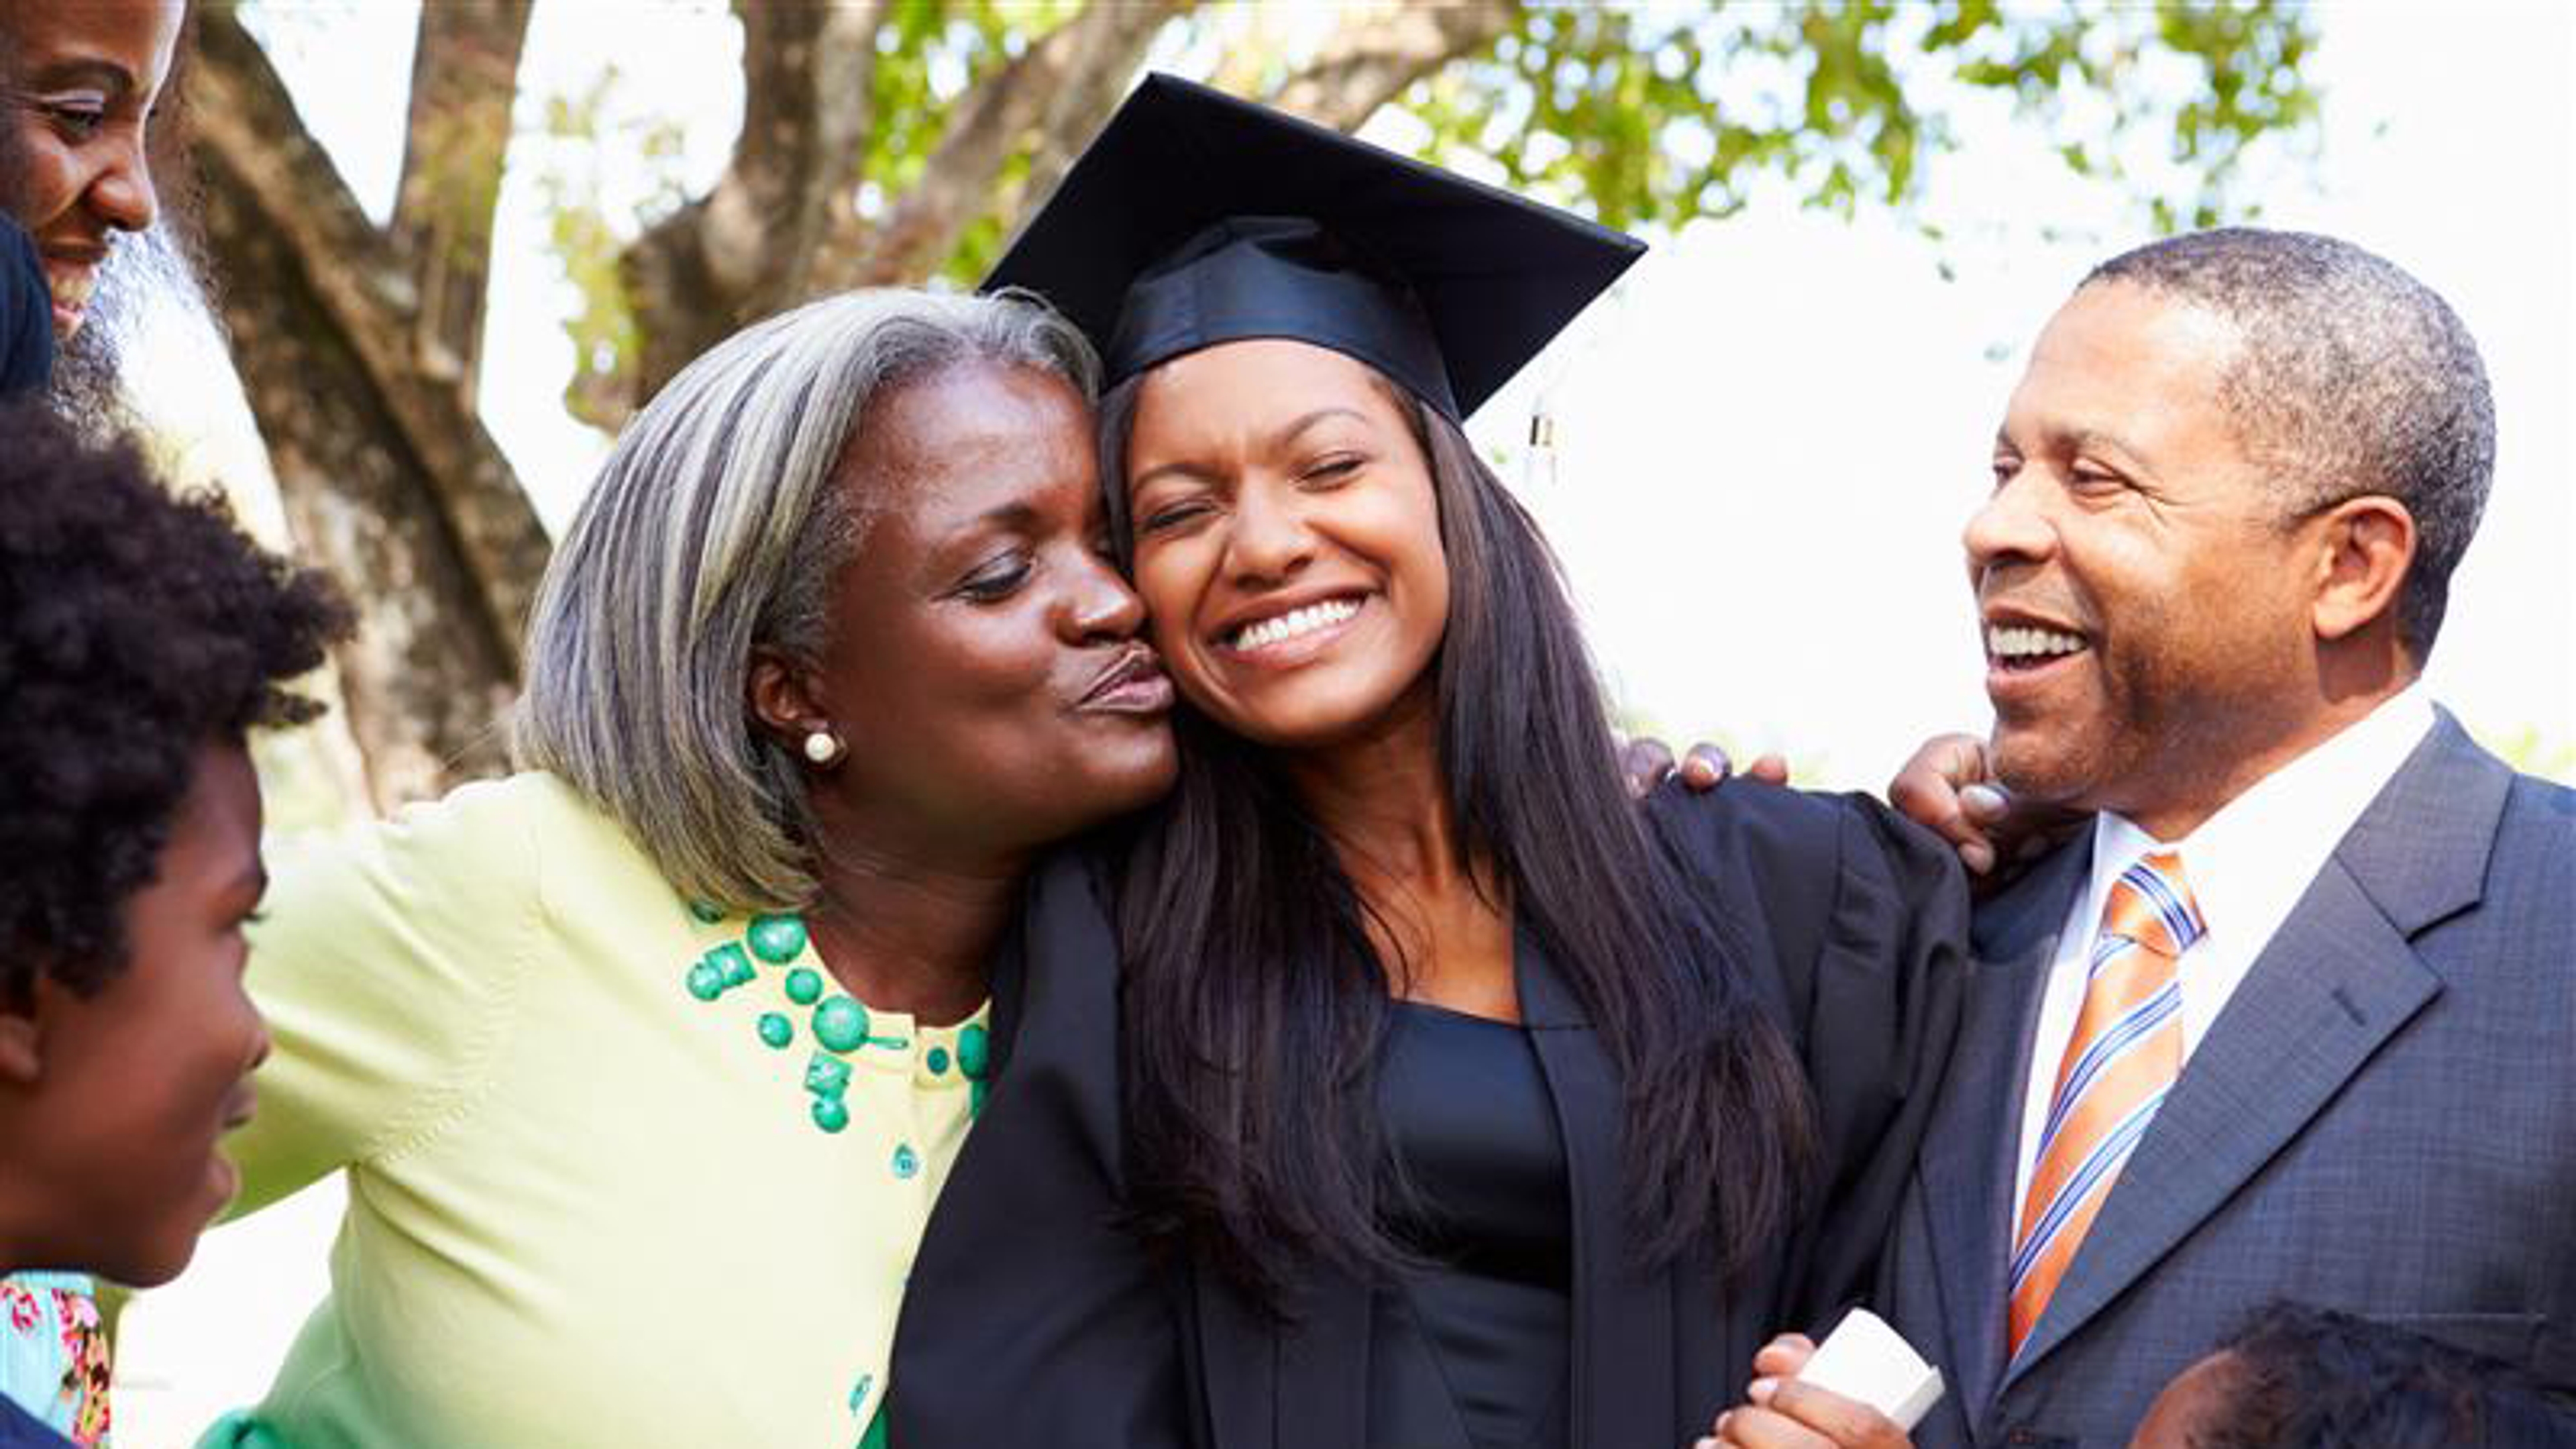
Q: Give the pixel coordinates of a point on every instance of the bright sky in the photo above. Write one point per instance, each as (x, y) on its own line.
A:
(1769, 437)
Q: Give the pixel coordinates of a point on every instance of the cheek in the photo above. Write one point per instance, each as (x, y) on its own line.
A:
(1423, 560)
(31, 171)
(1170, 578)
(221, 1032)
(959, 691)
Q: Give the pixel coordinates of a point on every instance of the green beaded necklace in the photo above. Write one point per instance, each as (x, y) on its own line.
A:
(839, 1022)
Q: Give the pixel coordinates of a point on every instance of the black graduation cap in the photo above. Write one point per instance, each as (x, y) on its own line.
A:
(26, 315)
(1196, 218)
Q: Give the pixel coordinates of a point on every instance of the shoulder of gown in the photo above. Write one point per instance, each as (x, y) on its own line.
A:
(1858, 919)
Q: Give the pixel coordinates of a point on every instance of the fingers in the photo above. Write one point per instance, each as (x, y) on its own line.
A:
(1644, 764)
(1931, 791)
(1788, 1414)
(1837, 1420)
(1984, 804)
(1785, 1356)
(1750, 1426)
(1780, 1358)
(2029, 829)
(1706, 767)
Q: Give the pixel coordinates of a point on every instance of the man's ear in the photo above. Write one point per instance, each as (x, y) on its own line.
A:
(2367, 544)
(22, 1057)
(783, 698)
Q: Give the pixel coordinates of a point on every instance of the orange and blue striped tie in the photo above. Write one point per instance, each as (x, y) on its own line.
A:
(2122, 1059)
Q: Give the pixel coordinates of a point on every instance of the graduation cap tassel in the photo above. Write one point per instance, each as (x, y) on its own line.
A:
(1538, 460)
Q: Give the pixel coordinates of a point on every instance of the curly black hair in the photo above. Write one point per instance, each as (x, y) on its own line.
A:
(135, 628)
(2312, 1378)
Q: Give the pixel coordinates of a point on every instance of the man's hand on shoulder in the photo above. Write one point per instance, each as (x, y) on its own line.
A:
(1949, 788)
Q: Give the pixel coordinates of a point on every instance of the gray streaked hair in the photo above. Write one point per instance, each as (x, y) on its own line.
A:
(2353, 378)
(713, 531)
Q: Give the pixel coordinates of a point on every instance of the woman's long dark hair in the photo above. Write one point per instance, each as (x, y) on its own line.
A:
(1254, 1005)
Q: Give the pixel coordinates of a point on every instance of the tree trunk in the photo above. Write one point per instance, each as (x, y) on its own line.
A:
(464, 79)
(388, 477)
(430, 669)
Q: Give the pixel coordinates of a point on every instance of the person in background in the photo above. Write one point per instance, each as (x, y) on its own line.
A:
(85, 89)
(142, 639)
(2297, 1377)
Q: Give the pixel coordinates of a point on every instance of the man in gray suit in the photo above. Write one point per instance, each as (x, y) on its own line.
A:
(2294, 1015)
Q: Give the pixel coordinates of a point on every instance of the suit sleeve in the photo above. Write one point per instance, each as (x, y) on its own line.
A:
(384, 963)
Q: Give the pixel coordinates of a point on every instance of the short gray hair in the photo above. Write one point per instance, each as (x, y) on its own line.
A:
(2354, 379)
(712, 531)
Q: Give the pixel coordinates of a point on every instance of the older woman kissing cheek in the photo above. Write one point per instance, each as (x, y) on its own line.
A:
(646, 1064)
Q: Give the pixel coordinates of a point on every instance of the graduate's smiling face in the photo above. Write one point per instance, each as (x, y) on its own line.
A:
(1287, 542)
(80, 81)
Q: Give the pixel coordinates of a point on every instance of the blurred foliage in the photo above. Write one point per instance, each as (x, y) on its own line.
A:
(1662, 114)
(1650, 114)
(580, 133)
(932, 52)
(2533, 752)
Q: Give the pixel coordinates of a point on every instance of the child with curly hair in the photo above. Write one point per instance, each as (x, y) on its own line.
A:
(142, 638)
(2293, 1376)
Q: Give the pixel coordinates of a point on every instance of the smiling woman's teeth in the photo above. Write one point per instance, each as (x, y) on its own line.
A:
(2030, 643)
(1295, 622)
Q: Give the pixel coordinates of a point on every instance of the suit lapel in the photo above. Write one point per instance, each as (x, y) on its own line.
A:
(1621, 1370)
(2334, 984)
(1967, 1166)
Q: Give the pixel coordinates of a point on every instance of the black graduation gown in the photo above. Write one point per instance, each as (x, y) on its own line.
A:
(1033, 1319)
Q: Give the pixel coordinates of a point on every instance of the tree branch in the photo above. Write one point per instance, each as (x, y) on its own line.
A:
(393, 482)
(749, 246)
(464, 78)
(1062, 87)
(1377, 51)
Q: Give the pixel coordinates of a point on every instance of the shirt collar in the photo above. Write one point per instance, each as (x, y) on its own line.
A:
(2249, 863)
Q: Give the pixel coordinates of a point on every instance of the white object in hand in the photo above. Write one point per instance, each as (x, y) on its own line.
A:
(1865, 1360)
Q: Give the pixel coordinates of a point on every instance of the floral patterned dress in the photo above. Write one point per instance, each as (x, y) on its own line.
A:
(53, 1353)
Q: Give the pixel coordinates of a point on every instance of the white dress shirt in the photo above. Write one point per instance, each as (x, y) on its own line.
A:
(2247, 866)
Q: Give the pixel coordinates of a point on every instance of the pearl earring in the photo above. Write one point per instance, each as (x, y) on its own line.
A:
(822, 747)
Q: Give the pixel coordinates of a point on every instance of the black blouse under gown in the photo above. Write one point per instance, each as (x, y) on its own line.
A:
(1471, 1339)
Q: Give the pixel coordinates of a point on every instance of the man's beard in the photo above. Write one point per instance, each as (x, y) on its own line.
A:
(144, 271)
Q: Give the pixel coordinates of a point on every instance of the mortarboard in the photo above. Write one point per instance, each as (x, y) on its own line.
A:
(26, 315)
(1196, 218)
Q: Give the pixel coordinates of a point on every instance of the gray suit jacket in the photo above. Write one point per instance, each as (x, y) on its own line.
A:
(2382, 1120)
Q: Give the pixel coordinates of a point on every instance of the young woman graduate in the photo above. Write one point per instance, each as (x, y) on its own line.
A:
(1448, 1099)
